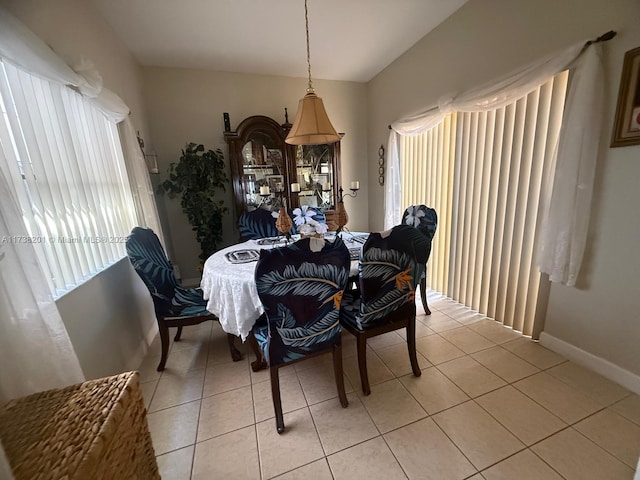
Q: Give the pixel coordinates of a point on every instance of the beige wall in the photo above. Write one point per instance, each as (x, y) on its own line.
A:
(110, 317)
(488, 38)
(187, 106)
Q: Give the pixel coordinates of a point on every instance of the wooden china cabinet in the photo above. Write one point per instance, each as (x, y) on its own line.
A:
(259, 157)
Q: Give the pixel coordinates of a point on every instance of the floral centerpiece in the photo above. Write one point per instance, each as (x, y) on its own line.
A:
(307, 225)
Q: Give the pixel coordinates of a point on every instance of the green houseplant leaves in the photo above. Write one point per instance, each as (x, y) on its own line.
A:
(197, 176)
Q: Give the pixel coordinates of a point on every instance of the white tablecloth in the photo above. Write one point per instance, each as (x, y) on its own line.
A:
(230, 289)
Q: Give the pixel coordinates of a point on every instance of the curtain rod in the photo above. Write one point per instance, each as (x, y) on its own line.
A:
(605, 37)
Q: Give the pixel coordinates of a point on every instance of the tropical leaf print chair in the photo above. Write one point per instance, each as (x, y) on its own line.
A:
(258, 223)
(301, 287)
(425, 220)
(391, 264)
(174, 306)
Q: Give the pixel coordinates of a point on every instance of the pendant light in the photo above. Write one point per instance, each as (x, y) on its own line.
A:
(312, 125)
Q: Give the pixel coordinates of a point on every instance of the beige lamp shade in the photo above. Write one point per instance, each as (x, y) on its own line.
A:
(312, 125)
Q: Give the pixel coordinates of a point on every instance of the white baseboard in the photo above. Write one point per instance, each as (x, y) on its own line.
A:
(613, 372)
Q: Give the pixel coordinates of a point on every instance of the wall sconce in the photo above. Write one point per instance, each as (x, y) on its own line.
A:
(381, 165)
(151, 159)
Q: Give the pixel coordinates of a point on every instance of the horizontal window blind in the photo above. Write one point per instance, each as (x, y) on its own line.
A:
(65, 161)
(488, 175)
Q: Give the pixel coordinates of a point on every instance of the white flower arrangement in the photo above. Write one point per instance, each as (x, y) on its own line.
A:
(303, 218)
(312, 227)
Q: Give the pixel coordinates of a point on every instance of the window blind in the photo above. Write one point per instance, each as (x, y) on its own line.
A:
(65, 160)
(488, 175)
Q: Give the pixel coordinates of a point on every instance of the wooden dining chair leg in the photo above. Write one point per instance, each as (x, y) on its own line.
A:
(178, 335)
(362, 363)
(337, 371)
(411, 346)
(259, 363)
(164, 342)
(236, 356)
(423, 295)
(277, 403)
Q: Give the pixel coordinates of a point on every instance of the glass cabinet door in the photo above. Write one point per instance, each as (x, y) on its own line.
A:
(259, 163)
(264, 171)
(314, 171)
(318, 173)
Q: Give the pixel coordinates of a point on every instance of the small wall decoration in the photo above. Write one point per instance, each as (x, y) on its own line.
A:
(626, 126)
(381, 165)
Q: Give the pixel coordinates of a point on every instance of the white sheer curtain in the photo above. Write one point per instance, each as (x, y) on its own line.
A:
(138, 174)
(36, 352)
(35, 349)
(565, 228)
(567, 219)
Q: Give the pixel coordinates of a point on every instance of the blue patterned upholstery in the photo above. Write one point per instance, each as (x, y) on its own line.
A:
(174, 305)
(425, 219)
(391, 264)
(150, 263)
(258, 223)
(301, 290)
(261, 334)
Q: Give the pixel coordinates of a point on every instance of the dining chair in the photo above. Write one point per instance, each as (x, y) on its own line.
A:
(256, 224)
(174, 305)
(425, 219)
(301, 286)
(391, 264)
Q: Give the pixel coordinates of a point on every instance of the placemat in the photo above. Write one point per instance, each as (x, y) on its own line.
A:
(270, 240)
(243, 256)
(361, 238)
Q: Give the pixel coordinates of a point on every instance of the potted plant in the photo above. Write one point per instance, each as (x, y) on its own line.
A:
(197, 176)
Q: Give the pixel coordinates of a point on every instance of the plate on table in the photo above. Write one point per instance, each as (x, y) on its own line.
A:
(271, 241)
(243, 256)
(361, 238)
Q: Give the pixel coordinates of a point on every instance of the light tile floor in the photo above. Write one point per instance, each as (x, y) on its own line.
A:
(490, 404)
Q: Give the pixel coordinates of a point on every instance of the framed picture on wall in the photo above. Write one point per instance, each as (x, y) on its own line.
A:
(626, 126)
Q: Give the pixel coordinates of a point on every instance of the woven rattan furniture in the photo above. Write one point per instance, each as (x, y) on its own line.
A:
(92, 430)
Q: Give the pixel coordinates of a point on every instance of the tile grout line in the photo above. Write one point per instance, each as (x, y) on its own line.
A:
(428, 415)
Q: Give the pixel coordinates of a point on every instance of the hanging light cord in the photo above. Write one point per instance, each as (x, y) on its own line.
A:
(306, 19)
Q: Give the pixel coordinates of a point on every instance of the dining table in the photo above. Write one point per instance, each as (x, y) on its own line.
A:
(228, 279)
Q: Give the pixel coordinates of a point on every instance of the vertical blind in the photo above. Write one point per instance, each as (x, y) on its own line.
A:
(65, 160)
(488, 175)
